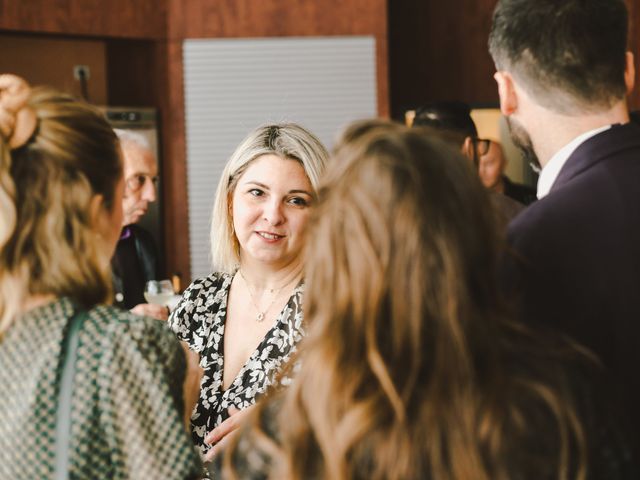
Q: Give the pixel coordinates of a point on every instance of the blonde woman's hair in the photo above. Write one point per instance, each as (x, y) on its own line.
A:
(411, 368)
(286, 140)
(47, 186)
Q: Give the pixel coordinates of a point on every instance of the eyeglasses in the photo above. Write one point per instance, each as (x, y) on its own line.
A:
(482, 146)
(136, 182)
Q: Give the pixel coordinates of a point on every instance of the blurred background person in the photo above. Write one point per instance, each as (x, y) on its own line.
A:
(244, 320)
(412, 368)
(61, 189)
(491, 167)
(135, 261)
(452, 123)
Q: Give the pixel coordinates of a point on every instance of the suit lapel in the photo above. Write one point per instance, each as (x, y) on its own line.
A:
(596, 149)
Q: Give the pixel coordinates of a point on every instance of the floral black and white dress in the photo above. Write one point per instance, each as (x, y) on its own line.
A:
(199, 320)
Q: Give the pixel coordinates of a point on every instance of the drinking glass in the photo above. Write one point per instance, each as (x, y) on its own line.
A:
(158, 292)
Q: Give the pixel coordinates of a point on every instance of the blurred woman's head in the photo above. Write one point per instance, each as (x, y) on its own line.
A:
(403, 230)
(61, 203)
(263, 196)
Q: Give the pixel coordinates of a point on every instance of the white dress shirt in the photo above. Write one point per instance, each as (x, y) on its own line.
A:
(552, 169)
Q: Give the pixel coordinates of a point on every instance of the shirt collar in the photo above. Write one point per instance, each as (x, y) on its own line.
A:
(552, 169)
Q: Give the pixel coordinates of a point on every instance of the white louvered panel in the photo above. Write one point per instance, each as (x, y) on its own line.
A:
(234, 85)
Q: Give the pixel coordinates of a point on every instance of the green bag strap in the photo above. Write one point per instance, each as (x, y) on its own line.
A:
(65, 394)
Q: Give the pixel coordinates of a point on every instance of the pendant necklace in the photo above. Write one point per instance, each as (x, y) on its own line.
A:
(261, 313)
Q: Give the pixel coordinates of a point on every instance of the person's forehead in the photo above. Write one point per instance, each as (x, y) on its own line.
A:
(138, 160)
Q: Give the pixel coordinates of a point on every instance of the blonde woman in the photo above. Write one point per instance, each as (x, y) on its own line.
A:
(244, 321)
(412, 369)
(60, 216)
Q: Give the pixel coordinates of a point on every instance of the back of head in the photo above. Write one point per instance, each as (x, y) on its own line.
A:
(48, 183)
(286, 140)
(570, 55)
(451, 120)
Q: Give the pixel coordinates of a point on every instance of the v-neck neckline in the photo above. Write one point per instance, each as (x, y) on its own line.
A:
(259, 347)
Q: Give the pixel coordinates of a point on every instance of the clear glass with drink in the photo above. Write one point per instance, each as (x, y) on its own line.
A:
(159, 292)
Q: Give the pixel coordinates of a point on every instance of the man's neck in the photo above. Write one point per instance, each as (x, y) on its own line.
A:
(551, 131)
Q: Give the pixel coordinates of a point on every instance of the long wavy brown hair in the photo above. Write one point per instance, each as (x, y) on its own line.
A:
(412, 369)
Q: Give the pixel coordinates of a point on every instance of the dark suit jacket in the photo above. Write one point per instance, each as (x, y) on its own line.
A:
(141, 267)
(578, 265)
(524, 194)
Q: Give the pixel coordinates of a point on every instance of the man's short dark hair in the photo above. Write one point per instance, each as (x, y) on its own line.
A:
(569, 54)
(450, 116)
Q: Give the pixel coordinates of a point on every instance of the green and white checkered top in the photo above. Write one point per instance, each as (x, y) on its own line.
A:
(126, 418)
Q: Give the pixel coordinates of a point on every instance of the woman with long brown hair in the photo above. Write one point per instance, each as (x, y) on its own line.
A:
(412, 369)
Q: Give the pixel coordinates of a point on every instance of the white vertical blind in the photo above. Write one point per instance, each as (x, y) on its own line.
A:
(235, 85)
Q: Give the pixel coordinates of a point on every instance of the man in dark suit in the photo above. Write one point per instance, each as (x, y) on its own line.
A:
(563, 74)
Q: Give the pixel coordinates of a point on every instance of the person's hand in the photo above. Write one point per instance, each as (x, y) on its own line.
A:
(219, 437)
(159, 312)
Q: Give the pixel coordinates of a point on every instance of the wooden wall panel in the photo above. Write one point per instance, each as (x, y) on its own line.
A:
(438, 51)
(43, 60)
(172, 118)
(132, 80)
(112, 18)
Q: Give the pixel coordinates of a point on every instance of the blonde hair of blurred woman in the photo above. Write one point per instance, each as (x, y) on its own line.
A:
(408, 368)
(48, 245)
(288, 141)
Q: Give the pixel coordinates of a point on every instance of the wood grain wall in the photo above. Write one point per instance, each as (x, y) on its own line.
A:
(438, 51)
(96, 18)
(50, 61)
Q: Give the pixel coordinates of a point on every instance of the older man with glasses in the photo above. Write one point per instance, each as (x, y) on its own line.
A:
(136, 259)
(451, 122)
(491, 168)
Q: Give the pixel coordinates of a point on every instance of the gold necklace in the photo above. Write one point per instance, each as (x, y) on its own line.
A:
(261, 314)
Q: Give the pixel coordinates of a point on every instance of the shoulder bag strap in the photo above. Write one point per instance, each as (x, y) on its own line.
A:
(65, 395)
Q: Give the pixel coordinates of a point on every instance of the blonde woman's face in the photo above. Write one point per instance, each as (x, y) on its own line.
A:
(270, 207)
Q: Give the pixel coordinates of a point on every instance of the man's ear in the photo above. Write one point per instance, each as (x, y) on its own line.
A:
(630, 73)
(507, 92)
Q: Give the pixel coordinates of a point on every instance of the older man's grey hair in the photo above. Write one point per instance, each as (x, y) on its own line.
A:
(134, 137)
